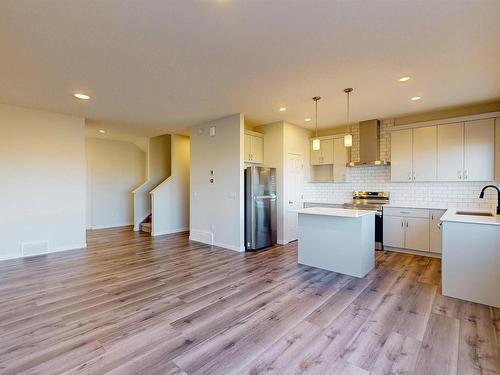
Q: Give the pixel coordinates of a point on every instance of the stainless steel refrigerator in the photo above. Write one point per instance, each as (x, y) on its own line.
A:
(260, 207)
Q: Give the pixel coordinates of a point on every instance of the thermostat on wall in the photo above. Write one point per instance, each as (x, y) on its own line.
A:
(212, 131)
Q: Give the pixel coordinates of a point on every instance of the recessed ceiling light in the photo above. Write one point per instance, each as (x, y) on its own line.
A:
(81, 96)
(415, 98)
(307, 119)
(282, 109)
(404, 79)
(102, 131)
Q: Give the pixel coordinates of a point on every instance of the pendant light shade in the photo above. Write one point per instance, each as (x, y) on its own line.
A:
(348, 140)
(316, 141)
(348, 137)
(316, 144)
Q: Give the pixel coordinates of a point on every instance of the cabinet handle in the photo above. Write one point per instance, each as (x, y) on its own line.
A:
(406, 223)
(459, 175)
(432, 216)
(402, 223)
(414, 176)
(465, 175)
(409, 176)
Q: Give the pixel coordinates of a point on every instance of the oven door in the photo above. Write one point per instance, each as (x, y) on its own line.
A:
(379, 231)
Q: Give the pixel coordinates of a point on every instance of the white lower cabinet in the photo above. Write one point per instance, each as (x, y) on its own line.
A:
(417, 233)
(394, 231)
(435, 230)
(413, 229)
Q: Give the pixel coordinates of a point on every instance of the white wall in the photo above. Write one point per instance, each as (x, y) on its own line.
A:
(217, 211)
(42, 181)
(170, 199)
(114, 169)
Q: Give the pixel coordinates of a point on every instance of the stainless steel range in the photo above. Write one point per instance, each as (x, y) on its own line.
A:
(372, 201)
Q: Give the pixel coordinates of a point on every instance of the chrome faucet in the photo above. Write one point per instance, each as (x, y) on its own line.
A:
(498, 195)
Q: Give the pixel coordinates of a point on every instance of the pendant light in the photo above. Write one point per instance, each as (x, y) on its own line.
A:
(348, 136)
(316, 141)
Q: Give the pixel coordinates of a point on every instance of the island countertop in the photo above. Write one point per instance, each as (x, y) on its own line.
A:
(338, 212)
(451, 215)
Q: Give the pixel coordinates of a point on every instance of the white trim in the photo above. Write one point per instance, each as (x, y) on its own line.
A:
(54, 250)
(229, 247)
(117, 225)
(413, 252)
(443, 121)
(201, 236)
(255, 134)
(171, 231)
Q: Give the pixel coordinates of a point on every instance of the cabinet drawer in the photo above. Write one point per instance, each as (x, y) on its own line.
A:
(409, 212)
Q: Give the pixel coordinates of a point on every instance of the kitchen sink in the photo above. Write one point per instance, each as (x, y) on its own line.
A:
(474, 213)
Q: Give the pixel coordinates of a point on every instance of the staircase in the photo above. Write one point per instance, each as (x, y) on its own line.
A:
(146, 225)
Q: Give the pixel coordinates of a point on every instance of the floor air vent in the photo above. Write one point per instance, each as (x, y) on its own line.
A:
(34, 248)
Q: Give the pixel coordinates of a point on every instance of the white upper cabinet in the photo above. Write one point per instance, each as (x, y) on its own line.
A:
(324, 155)
(340, 160)
(479, 151)
(254, 147)
(425, 153)
(401, 155)
(450, 152)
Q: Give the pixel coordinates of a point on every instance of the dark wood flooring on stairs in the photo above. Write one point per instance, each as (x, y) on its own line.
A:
(135, 304)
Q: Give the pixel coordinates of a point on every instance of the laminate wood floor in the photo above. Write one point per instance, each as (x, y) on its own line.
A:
(132, 304)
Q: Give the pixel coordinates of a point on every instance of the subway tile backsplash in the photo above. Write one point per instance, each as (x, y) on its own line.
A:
(378, 178)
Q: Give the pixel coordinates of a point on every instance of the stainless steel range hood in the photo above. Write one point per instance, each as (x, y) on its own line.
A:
(369, 143)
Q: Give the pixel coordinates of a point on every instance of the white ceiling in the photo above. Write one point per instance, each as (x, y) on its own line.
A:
(153, 66)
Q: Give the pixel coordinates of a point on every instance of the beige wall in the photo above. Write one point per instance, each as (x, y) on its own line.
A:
(217, 211)
(114, 169)
(42, 189)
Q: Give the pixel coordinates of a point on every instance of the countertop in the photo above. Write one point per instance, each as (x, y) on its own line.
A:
(338, 212)
(451, 215)
(425, 206)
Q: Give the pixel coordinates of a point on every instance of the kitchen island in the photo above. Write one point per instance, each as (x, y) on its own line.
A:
(337, 239)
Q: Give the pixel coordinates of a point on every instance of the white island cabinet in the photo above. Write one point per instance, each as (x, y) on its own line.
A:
(470, 263)
(337, 239)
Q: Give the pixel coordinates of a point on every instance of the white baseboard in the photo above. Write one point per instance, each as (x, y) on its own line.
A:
(170, 231)
(413, 252)
(230, 247)
(201, 236)
(111, 226)
(53, 250)
(208, 238)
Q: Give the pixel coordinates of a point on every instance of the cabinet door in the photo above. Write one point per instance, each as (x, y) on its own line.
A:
(425, 153)
(315, 155)
(401, 155)
(394, 231)
(248, 148)
(479, 160)
(450, 152)
(435, 230)
(417, 233)
(327, 151)
(257, 147)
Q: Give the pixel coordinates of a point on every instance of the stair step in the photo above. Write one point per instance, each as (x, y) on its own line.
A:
(146, 227)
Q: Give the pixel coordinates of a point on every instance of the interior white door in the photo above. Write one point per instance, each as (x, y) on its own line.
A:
(417, 233)
(479, 159)
(294, 183)
(425, 153)
(401, 155)
(450, 152)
